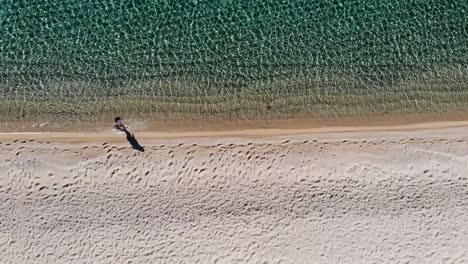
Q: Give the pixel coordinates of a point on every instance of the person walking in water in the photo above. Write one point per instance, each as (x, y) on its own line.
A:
(119, 124)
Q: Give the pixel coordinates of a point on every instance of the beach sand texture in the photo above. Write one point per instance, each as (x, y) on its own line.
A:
(357, 197)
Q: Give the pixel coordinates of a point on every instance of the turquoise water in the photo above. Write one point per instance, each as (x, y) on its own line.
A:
(86, 52)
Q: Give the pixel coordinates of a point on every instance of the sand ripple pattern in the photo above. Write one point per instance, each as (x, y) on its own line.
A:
(250, 201)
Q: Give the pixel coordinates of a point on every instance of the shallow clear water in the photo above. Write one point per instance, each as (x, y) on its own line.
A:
(82, 58)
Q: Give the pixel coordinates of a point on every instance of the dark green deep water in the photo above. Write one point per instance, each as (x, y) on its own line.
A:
(234, 58)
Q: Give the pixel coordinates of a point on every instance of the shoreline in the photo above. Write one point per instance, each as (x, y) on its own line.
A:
(113, 136)
(136, 124)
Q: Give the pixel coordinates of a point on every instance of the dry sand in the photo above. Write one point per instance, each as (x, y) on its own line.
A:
(300, 196)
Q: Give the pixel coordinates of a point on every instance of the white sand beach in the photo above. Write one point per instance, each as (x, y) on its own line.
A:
(376, 195)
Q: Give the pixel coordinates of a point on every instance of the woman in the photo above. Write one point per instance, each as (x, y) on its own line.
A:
(119, 124)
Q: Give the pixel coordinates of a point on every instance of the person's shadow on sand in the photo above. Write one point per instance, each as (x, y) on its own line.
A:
(132, 140)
